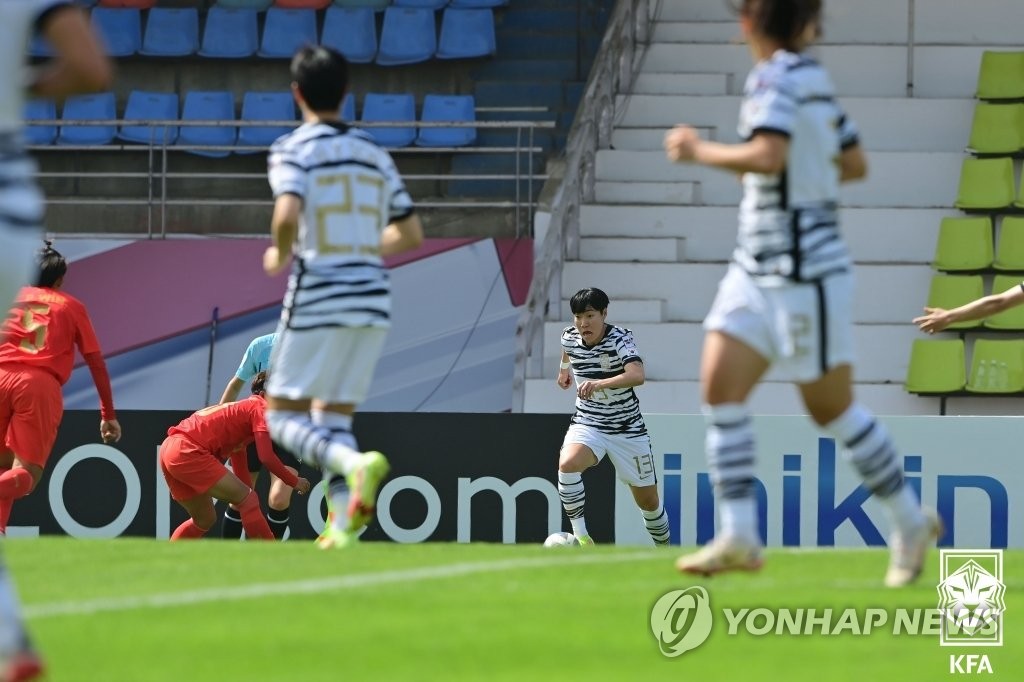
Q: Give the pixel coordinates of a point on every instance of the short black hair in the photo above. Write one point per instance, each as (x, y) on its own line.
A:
(588, 298)
(52, 265)
(783, 20)
(259, 383)
(321, 75)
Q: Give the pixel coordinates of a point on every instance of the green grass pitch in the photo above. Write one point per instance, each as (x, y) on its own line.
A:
(134, 610)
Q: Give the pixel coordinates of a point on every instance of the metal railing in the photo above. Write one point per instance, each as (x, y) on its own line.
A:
(615, 67)
(158, 198)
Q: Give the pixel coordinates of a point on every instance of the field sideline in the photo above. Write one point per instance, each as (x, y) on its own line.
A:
(132, 610)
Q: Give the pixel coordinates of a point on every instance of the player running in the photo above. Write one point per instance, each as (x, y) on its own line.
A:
(341, 207)
(192, 461)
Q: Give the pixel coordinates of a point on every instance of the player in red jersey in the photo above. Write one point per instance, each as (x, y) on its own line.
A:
(37, 354)
(192, 459)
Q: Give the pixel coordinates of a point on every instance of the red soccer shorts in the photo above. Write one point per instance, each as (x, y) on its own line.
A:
(188, 469)
(31, 407)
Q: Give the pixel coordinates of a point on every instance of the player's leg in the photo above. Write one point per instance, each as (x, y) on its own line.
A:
(634, 464)
(653, 511)
(202, 515)
(279, 500)
(231, 524)
(870, 450)
(581, 449)
(729, 371)
(231, 489)
(18, 659)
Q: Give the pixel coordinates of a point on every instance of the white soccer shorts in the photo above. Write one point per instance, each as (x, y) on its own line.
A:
(333, 364)
(803, 328)
(631, 457)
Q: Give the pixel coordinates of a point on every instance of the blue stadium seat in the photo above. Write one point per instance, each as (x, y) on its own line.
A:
(380, 107)
(230, 33)
(100, 106)
(409, 36)
(171, 32)
(352, 32)
(467, 33)
(258, 5)
(447, 108)
(472, 4)
(265, 106)
(425, 4)
(143, 105)
(348, 108)
(376, 5)
(208, 106)
(120, 30)
(40, 110)
(286, 30)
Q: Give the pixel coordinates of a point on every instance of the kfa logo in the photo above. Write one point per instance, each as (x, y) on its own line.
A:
(972, 601)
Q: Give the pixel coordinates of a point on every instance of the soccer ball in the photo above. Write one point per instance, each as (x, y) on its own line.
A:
(561, 539)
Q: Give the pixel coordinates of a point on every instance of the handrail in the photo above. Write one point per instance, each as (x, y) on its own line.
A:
(614, 69)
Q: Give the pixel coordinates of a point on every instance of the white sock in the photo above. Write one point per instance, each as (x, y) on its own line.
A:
(573, 496)
(739, 518)
(904, 509)
(312, 443)
(657, 524)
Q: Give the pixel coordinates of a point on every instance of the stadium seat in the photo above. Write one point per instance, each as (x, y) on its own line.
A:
(137, 4)
(380, 107)
(301, 4)
(936, 366)
(171, 32)
(447, 108)
(348, 108)
(153, 106)
(997, 366)
(208, 106)
(265, 106)
(40, 110)
(1011, 319)
(376, 5)
(997, 129)
(1001, 75)
(352, 32)
(423, 4)
(985, 184)
(1010, 247)
(472, 4)
(230, 33)
(286, 30)
(964, 244)
(258, 5)
(120, 30)
(952, 291)
(100, 106)
(467, 33)
(409, 36)
(1019, 201)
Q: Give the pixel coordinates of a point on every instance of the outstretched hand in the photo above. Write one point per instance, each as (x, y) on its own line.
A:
(934, 320)
(681, 143)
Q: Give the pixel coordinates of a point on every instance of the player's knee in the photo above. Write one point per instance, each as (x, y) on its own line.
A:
(646, 498)
(280, 496)
(575, 461)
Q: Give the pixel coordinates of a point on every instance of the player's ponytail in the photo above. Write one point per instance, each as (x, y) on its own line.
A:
(52, 266)
(259, 383)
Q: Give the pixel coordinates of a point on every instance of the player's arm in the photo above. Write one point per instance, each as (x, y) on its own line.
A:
(240, 464)
(632, 375)
(265, 451)
(283, 227)
(89, 347)
(937, 319)
(564, 372)
(853, 165)
(232, 390)
(81, 65)
(401, 235)
(765, 152)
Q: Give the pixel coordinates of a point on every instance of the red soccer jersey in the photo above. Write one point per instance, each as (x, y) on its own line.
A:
(219, 429)
(42, 330)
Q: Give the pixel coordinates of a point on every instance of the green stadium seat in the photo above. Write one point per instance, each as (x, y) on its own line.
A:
(953, 291)
(1010, 247)
(997, 366)
(1019, 201)
(1001, 75)
(1008, 320)
(997, 129)
(985, 184)
(936, 366)
(964, 244)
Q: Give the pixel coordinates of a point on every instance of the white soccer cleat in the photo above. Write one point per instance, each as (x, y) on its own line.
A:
(907, 551)
(722, 554)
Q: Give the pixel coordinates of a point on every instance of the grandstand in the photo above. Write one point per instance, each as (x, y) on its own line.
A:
(656, 236)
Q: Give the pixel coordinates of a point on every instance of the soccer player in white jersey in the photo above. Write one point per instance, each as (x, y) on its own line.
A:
(80, 66)
(340, 208)
(607, 366)
(788, 295)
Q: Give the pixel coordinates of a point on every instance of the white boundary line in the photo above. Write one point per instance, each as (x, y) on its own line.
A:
(316, 585)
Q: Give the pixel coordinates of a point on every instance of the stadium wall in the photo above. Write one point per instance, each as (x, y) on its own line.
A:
(491, 478)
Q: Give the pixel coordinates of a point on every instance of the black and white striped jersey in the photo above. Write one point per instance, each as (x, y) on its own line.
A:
(351, 191)
(612, 410)
(788, 223)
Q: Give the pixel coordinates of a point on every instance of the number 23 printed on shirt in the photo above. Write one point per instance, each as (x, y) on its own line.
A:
(359, 203)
